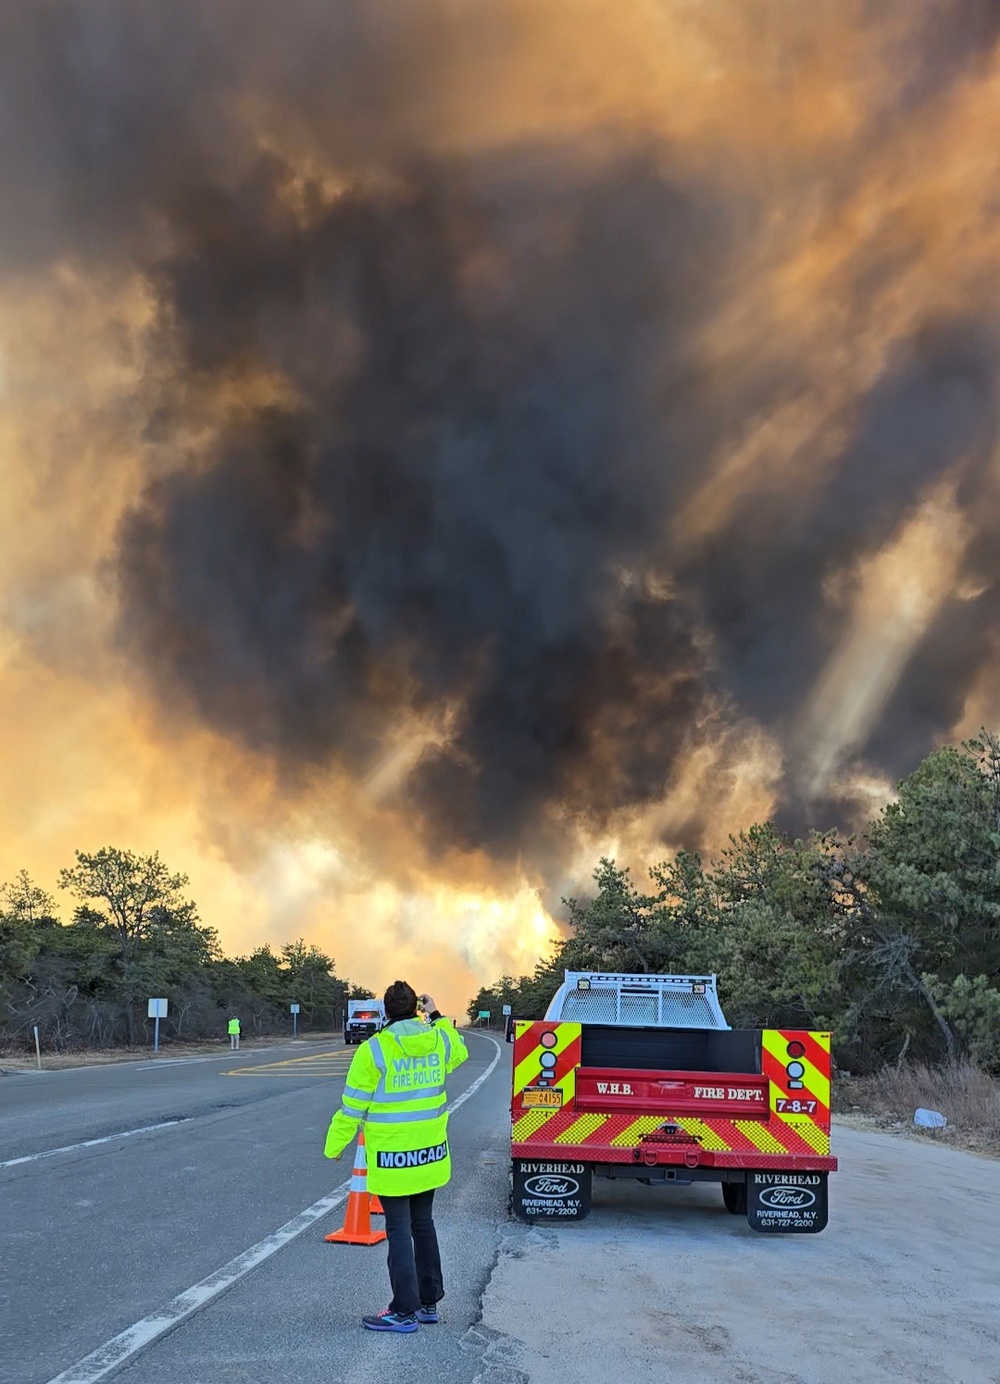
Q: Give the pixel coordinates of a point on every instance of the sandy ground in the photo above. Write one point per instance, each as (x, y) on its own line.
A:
(663, 1284)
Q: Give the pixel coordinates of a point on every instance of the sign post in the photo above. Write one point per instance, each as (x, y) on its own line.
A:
(507, 1011)
(38, 1048)
(156, 1010)
(486, 1014)
(295, 1021)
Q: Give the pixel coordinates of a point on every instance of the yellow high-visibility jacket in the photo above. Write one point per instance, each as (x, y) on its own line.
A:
(234, 1026)
(395, 1087)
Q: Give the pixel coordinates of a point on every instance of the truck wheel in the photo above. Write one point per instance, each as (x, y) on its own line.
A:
(734, 1194)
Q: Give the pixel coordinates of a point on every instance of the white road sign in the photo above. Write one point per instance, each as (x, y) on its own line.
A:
(157, 1009)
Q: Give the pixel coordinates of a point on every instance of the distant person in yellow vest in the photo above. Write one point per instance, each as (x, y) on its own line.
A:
(395, 1086)
(234, 1034)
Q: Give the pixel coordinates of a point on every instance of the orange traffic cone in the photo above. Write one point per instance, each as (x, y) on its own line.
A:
(375, 1207)
(357, 1227)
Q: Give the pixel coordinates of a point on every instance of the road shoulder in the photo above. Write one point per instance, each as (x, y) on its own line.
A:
(663, 1283)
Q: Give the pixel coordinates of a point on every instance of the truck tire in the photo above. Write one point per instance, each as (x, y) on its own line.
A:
(734, 1194)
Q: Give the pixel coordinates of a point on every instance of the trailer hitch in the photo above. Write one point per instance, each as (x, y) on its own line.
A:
(668, 1136)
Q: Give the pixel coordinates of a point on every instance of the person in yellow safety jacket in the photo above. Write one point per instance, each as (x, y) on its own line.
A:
(395, 1087)
(234, 1033)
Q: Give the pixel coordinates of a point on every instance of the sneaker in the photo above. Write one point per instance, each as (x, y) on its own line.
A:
(427, 1315)
(390, 1321)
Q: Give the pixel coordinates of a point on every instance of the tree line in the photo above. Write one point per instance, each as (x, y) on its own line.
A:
(134, 935)
(889, 938)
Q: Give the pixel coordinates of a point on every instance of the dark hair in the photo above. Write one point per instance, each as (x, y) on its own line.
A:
(400, 1001)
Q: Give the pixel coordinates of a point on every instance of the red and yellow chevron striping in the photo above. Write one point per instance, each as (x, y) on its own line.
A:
(545, 1119)
(797, 1066)
(613, 1132)
(546, 1055)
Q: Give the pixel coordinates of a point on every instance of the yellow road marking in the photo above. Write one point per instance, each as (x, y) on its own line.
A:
(316, 1064)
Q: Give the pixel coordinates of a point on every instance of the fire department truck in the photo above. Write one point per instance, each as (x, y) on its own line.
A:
(364, 1017)
(640, 1077)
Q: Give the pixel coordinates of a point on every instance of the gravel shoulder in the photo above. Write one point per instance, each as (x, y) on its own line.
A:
(902, 1286)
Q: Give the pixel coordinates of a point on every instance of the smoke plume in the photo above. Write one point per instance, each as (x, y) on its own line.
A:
(497, 432)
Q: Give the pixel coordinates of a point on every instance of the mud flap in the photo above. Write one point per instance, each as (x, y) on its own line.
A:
(546, 1191)
(787, 1203)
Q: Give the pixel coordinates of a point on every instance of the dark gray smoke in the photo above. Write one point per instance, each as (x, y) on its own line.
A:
(488, 409)
(445, 516)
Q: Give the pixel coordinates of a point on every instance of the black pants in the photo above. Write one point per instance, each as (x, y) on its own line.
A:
(414, 1257)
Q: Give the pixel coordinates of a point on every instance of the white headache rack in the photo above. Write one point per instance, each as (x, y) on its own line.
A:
(593, 997)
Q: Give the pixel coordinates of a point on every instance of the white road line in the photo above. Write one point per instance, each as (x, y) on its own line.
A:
(110, 1357)
(89, 1143)
(169, 1062)
(114, 1353)
(143, 1064)
(454, 1104)
(155, 1062)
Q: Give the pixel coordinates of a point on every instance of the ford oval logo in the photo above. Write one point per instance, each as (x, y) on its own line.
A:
(797, 1197)
(547, 1185)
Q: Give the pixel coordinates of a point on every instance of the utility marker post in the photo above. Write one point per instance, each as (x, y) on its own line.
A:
(38, 1048)
(295, 1021)
(156, 1010)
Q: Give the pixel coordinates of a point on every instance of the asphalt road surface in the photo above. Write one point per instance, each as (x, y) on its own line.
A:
(96, 1241)
(194, 1251)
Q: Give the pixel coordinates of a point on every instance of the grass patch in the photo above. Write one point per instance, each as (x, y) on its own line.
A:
(964, 1093)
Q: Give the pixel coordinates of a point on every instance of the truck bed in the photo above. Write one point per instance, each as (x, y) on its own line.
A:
(684, 1049)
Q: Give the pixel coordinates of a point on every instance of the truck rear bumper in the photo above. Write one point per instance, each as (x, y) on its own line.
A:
(676, 1155)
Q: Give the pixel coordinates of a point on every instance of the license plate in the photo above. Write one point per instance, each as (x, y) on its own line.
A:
(535, 1097)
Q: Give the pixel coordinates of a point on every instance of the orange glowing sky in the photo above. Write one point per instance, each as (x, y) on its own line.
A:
(868, 180)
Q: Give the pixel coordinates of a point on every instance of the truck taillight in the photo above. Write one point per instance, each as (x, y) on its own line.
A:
(795, 1069)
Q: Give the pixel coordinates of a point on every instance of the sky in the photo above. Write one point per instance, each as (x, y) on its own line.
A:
(444, 443)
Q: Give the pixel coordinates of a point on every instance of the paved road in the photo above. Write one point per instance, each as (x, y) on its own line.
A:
(660, 1284)
(99, 1238)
